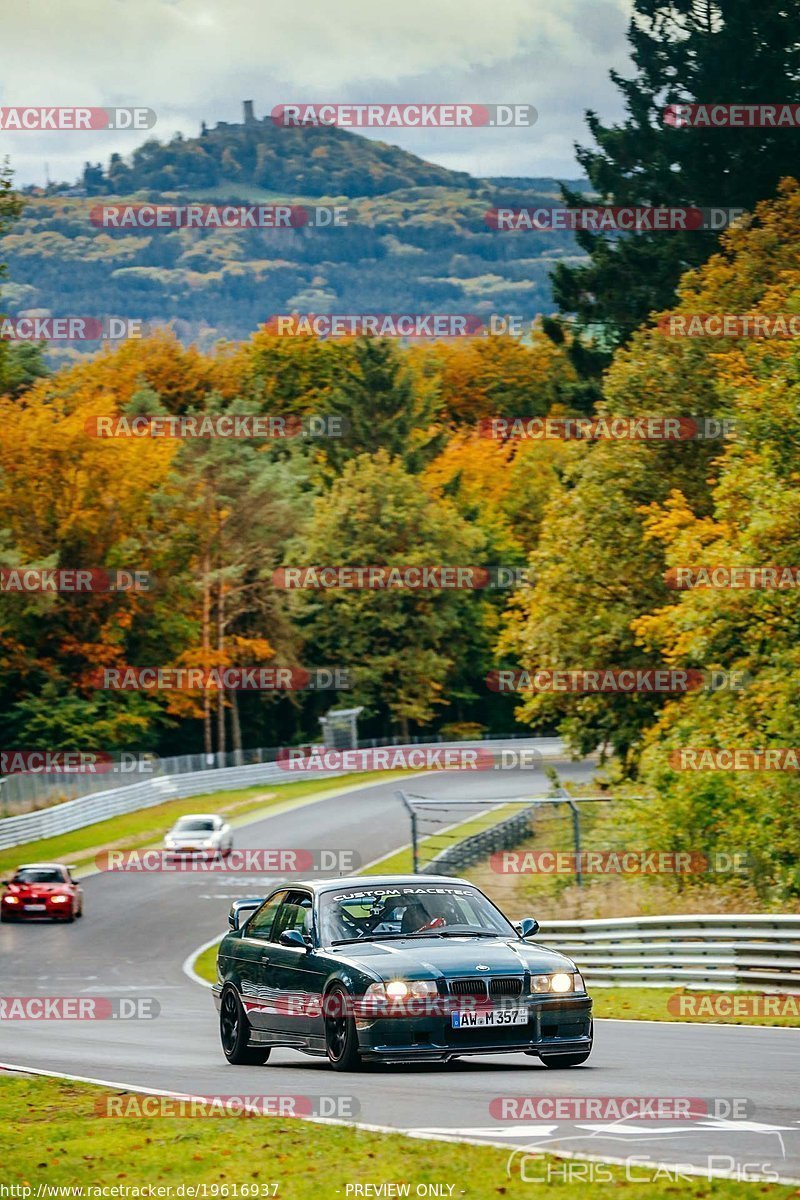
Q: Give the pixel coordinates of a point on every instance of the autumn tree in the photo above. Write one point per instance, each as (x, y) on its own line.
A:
(597, 571)
(404, 648)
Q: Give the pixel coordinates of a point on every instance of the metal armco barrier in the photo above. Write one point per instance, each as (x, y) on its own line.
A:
(723, 952)
(88, 810)
(504, 836)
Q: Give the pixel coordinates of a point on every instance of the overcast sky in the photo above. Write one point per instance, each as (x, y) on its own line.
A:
(191, 60)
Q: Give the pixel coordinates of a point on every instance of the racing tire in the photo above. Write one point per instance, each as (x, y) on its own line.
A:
(234, 1033)
(7, 919)
(341, 1038)
(555, 1061)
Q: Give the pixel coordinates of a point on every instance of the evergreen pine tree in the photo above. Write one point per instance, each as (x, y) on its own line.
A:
(684, 51)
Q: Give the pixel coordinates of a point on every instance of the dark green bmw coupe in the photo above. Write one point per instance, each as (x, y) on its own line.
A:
(394, 969)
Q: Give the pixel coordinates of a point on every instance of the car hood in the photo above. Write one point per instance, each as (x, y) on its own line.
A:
(191, 839)
(432, 958)
(38, 889)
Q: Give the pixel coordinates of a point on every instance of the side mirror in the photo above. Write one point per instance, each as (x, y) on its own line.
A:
(527, 927)
(241, 910)
(292, 937)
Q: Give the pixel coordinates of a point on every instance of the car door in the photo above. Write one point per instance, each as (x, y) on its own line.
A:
(254, 963)
(296, 971)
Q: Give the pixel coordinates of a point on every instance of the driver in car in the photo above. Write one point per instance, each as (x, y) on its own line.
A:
(418, 917)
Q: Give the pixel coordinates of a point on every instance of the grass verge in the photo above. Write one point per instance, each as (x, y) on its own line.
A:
(132, 831)
(57, 1139)
(651, 1004)
(205, 964)
(538, 891)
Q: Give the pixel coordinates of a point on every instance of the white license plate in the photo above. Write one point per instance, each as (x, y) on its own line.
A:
(36, 907)
(493, 1017)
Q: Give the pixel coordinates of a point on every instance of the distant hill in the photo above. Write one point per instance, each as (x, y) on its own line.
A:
(416, 238)
(312, 161)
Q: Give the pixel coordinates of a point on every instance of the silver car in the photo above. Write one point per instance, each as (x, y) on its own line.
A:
(200, 833)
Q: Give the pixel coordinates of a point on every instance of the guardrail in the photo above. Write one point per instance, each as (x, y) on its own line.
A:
(723, 952)
(505, 835)
(88, 810)
(30, 792)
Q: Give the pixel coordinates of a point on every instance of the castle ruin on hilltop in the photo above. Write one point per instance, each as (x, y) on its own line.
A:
(249, 119)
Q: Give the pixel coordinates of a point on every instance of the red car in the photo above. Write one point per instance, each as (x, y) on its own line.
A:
(41, 890)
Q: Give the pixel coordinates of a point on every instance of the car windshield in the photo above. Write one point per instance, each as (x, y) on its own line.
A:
(194, 825)
(431, 910)
(39, 875)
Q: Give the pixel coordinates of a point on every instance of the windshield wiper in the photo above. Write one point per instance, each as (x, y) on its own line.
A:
(464, 933)
(368, 937)
(424, 933)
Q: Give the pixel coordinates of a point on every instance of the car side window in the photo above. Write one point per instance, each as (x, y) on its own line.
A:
(261, 922)
(295, 913)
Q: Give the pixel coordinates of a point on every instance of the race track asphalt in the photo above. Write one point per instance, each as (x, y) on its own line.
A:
(139, 928)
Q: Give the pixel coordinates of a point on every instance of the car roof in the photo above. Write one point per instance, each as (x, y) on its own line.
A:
(38, 866)
(199, 817)
(347, 883)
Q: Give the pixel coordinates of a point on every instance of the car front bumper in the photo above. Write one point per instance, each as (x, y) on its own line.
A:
(556, 1025)
(19, 912)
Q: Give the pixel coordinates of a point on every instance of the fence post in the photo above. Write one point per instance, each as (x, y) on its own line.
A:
(412, 814)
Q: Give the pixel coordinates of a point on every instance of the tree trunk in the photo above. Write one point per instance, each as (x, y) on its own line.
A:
(207, 745)
(236, 729)
(221, 650)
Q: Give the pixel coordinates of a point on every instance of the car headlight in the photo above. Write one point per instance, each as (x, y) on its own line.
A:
(398, 989)
(10, 900)
(60, 899)
(558, 983)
